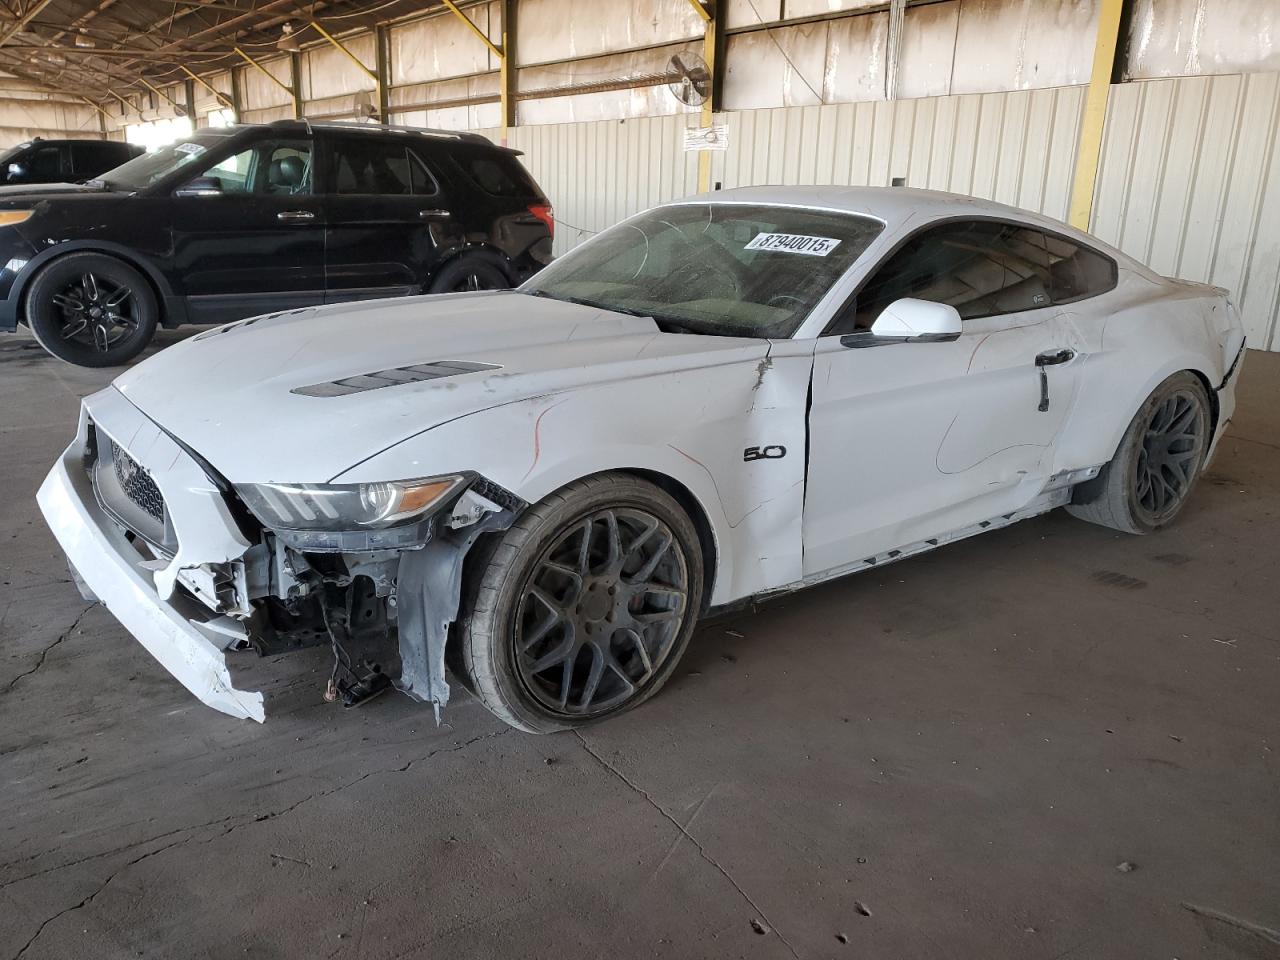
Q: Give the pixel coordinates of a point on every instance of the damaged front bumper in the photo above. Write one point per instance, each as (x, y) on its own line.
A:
(165, 547)
(187, 638)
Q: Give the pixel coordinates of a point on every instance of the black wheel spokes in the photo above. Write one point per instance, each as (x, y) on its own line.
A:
(95, 311)
(1170, 453)
(601, 612)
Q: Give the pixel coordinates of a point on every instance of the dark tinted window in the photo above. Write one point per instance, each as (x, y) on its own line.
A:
(498, 174)
(89, 159)
(980, 268)
(1075, 271)
(384, 168)
(44, 163)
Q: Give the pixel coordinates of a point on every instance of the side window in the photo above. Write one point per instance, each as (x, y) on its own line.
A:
(90, 159)
(44, 163)
(271, 168)
(499, 176)
(1076, 271)
(981, 268)
(379, 168)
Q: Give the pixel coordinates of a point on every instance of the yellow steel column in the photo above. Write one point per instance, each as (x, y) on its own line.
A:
(1095, 113)
(708, 109)
(506, 69)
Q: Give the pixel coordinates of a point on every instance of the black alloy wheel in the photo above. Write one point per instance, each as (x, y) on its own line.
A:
(1157, 462)
(583, 607)
(1170, 454)
(600, 612)
(91, 309)
(96, 311)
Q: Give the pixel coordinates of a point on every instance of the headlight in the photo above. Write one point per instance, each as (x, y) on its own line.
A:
(344, 506)
(9, 217)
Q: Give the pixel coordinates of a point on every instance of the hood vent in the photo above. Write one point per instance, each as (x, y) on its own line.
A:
(394, 377)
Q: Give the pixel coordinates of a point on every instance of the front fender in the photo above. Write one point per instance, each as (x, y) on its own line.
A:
(692, 427)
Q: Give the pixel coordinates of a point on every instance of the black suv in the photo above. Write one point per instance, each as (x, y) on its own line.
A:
(243, 220)
(63, 161)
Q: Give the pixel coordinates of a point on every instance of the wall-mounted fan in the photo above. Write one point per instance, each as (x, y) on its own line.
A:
(688, 78)
(366, 109)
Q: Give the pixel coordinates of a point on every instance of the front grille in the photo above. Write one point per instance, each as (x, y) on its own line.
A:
(136, 482)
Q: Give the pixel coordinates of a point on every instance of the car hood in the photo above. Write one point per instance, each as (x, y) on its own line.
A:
(287, 397)
(40, 191)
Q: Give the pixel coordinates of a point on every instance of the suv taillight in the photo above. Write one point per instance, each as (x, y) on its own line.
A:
(544, 213)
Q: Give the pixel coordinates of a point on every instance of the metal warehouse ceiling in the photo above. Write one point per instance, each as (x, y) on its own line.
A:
(102, 48)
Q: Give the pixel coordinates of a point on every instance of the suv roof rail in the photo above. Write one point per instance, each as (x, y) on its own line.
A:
(398, 128)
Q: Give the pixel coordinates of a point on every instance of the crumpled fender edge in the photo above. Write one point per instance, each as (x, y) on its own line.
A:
(428, 595)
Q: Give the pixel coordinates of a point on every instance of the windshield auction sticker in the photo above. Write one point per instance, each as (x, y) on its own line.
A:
(793, 243)
(194, 149)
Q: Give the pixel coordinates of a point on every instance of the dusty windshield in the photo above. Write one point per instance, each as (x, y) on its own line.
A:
(730, 269)
(150, 168)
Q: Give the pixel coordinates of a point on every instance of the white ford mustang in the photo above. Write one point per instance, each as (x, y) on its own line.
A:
(721, 398)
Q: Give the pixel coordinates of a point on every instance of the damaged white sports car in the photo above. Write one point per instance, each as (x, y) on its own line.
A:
(721, 398)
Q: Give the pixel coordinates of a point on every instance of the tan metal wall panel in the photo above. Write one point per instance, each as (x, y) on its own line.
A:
(1189, 180)
(1012, 147)
(1189, 183)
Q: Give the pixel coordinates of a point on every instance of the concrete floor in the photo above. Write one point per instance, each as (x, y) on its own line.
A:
(950, 757)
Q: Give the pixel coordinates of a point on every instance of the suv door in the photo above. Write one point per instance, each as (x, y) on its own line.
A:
(388, 217)
(248, 232)
(912, 441)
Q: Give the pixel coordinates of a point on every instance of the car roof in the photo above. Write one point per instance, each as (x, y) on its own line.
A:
(899, 207)
(378, 129)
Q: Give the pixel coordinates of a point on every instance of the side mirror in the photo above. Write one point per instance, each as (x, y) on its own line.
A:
(200, 187)
(922, 320)
(15, 171)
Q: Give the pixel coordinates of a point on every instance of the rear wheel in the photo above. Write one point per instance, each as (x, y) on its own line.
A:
(92, 310)
(1147, 483)
(469, 272)
(584, 606)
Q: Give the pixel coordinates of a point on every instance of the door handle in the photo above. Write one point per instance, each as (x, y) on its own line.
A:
(434, 214)
(1050, 358)
(295, 216)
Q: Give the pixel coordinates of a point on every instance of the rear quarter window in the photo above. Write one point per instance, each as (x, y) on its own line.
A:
(499, 175)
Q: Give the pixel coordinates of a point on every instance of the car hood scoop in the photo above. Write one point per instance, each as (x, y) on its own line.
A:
(303, 395)
(392, 378)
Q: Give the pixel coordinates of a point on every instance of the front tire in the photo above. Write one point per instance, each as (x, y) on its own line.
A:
(1153, 472)
(92, 310)
(583, 608)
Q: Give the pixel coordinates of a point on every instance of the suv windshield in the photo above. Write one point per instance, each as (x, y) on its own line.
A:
(150, 168)
(12, 152)
(728, 269)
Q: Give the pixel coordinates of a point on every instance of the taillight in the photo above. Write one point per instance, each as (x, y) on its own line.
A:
(544, 213)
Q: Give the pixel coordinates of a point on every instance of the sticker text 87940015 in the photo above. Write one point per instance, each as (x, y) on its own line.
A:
(793, 243)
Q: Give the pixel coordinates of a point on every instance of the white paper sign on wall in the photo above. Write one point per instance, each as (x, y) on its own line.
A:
(714, 137)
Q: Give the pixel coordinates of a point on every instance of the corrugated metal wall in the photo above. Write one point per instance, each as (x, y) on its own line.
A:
(1187, 182)
(1190, 184)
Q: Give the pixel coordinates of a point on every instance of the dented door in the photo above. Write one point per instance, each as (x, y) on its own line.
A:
(914, 440)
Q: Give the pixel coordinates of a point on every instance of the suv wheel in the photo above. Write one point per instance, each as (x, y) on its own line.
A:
(469, 272)
(583, 608)
(92, 310)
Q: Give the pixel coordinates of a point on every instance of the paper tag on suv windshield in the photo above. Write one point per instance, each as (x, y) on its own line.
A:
(793, 243)
(192, 148)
